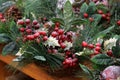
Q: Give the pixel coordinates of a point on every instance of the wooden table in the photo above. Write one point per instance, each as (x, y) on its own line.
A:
(34, 71)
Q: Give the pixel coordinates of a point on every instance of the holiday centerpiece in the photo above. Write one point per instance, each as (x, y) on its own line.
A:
(63, 37)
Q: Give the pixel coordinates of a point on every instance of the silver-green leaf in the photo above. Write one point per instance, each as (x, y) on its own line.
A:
(41, 58)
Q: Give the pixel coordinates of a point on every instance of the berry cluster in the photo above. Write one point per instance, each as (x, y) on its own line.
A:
(95, 48)
(87, 16)
(2, 19)
(70, 62)
(29, 32)
(105, 16)
(62, 37)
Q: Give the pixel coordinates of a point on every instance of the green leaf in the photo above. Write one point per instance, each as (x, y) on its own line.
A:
(83, 9)
(13, 27)
(42, 8)
(4, 5)
(41, 58)
(87, 70)
(92, 8)
(103, 33)
(67, 11)
(61, 21)
(4, 38)
(116, 49)
(15, 50)
(54, 60)
(96, 18)
(8, 48)
(78, 22)
(68, 15)
(59, 12)
(102, 59)
(102, 7)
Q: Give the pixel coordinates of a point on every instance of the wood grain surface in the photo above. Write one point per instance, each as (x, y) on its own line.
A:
(4, 73)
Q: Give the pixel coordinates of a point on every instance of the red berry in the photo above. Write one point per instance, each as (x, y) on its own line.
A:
(37, 26)
(62, 45)
(85, 15)
(1, 16)
(108, 14)
(90, 46)
(74, 56)
(68, 61)
(35, 22)
(84, 44)
(98, 48)
(54, 34)
(109, 53)
(30, 37)
(69, 34)
(45, 38)
(62, 37)
(73, 64)
(43, 33)
(22, 29)
(64, 63)
(38, 40)
(65, 66)
(20, 22)
(91, 19)
(98, 44)
(60, 31)
(57, 24)
(108, 18)
(75, 60)
(55, 51)
(24, 39)
(60, 41)
(27, 21)
(56, 29)
(104, 16)
(44, 18)
(68, 52)
(69, 39)
(36, 35)
(100, 12)
(96, 52)
(3, 20)
(29, 31)
(49, 51)
(118, 22)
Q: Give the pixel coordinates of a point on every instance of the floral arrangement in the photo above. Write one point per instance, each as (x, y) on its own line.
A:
(64, 37)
